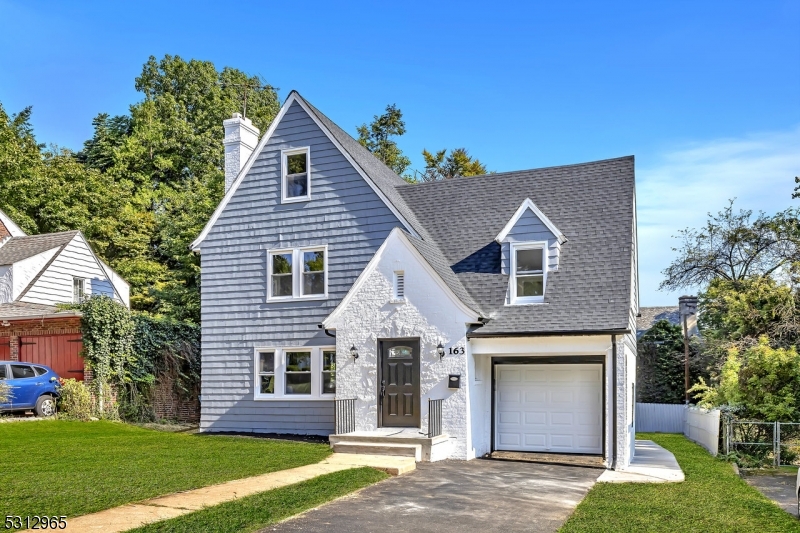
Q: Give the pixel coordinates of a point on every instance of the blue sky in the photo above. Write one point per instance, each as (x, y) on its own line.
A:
(706, 95)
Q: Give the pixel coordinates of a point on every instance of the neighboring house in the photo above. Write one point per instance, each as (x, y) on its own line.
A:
(337, 296)
(38, 272)
(648, 316)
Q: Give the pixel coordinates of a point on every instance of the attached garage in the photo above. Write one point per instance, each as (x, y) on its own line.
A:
(553, 408)
(59, 352)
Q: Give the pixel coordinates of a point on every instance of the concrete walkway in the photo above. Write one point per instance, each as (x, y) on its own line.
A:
(138, 514)
(651, 464)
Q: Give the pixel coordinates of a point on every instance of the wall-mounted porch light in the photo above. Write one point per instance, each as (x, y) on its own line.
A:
(354, 353)
(440, 351)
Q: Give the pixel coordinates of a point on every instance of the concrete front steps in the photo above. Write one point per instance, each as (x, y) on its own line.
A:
(401, 443)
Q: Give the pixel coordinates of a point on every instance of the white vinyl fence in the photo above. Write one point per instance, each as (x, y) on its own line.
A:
(699, 425)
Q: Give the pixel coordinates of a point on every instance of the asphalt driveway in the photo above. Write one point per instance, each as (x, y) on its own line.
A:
(461, 496)
(778, 488)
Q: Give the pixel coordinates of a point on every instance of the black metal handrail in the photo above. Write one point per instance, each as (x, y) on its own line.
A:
(345, 414)
(434, 418)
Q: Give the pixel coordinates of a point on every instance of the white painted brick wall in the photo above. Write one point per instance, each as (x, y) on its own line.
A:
(428, 314)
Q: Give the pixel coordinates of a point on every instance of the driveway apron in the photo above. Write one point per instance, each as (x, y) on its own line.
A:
(462, 496)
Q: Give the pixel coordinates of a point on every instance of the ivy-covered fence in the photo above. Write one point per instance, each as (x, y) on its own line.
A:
(143, 368)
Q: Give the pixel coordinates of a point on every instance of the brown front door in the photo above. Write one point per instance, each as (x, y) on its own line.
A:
(399, 383)
(59, 352)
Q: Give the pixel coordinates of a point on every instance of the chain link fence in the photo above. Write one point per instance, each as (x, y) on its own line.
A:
(761, 443)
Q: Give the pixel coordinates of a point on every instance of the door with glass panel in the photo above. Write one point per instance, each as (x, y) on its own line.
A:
(399, 392)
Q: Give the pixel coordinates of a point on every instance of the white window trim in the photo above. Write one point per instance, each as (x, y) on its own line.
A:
(85, 295)
(284, 168)
(280, 374)
(395, 279)
(297, 273)
(512, 278)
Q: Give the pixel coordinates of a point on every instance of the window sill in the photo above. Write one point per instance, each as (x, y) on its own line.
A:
(295, 199)
(298, 298)
(298, 398)
(526, 302)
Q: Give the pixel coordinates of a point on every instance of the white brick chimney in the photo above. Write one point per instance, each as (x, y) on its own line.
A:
(241, 138)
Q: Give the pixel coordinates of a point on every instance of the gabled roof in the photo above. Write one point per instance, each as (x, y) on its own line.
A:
(19, 248)
(377, 175)
(428, 257)
(650, 315)
(593, 203)
(10, 225)
(526, 205)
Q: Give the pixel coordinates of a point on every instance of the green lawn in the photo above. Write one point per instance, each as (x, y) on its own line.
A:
(74, 468)
(260, 510)
(711, 499)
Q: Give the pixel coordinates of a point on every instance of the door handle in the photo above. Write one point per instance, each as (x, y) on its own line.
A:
(383, 388)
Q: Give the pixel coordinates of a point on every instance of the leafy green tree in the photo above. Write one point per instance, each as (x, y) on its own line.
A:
(458, 163)
(660, 364)
(377, 137)
(763, 381)
(733, 247)
(169, 153)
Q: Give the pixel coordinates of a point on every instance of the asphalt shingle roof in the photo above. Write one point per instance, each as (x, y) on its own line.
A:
(14, 310)
(19, 248)
(591, 203)
(651, 315)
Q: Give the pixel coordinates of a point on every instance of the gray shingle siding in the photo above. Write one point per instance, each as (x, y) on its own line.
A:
(344, 213)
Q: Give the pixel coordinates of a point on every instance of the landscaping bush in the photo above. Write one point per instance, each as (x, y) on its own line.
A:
(76, 400)
(5, 392)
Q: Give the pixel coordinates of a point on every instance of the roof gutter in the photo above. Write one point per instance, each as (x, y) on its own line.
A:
(570, 333)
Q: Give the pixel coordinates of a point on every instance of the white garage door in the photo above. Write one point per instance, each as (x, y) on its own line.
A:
(549, 408)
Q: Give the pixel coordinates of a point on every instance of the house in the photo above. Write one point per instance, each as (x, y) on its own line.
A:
(38, 272)
(687, 307)
(444, 320)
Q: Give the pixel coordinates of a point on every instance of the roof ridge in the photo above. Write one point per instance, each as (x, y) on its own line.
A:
(495, 175)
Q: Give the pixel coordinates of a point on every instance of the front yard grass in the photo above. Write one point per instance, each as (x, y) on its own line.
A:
(74, 468)
(261, 510)
(711, 499)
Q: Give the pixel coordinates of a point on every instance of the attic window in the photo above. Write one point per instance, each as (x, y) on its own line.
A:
(78, 290)
(399, 286)
(296, 181)
(528, 272)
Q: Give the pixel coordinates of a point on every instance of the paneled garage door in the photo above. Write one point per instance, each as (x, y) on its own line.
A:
(59, 352)
(549, 408)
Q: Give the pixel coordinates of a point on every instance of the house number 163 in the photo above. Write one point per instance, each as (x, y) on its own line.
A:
(457, 350)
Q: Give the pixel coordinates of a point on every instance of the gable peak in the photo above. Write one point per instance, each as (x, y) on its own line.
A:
(528, 205)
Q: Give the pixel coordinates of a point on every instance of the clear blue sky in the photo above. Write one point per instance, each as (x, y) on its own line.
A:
(706, 95)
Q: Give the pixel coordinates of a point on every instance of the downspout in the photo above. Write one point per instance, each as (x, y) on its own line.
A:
(614, 402)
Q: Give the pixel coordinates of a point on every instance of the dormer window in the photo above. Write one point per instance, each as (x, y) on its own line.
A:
(528, 272)
(296, 182)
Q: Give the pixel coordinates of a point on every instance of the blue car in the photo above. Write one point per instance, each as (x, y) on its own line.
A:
(33, 387)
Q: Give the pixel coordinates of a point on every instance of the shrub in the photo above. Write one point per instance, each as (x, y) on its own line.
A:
(76, 400)
(5, 392)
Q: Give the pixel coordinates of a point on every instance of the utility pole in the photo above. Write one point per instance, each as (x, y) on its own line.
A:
(686, 357)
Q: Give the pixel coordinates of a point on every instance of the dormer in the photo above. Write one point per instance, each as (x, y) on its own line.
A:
(530, 248)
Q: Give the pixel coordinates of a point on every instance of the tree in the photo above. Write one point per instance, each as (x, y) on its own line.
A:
(378, 138)
(168, 152)
(733, 247)
(660, 364)
(762, 381)
(457, 164)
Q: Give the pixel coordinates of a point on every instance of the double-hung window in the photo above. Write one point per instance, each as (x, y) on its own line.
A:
(295, 373)
(78, 290)
(299, 273)
(529, 275)
(296, 175)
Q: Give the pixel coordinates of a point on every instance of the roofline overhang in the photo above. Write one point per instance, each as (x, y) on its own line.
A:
(565, 333)
(17, 318)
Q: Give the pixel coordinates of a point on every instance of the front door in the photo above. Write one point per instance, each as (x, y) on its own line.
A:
(399, 383)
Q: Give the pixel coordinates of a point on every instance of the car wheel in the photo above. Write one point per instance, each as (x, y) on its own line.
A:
(45, 406)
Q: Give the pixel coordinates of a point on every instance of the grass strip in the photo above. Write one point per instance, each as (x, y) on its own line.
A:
(255, 512)
(72, 468)
(711, 499)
